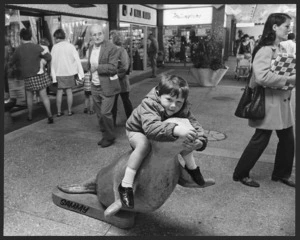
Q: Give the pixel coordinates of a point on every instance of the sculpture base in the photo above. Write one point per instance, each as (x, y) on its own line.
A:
(88, 204)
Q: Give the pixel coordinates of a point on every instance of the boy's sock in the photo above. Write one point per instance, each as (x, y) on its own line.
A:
(190, 164)
(128, 177)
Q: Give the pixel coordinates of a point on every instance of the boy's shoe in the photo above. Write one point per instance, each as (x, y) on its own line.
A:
(196, 175)
(85, 110)
(126, 196)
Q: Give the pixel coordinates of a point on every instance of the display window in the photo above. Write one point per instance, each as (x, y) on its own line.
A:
(179, 40)
(135, 42)
(77, 30)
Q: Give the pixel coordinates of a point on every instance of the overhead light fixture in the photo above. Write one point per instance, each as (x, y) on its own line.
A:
(79, 5)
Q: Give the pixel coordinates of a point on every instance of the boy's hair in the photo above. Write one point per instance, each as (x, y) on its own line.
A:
(25, 34)
(173, 85)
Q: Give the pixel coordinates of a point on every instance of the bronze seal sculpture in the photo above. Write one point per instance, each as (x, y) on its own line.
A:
(159, 173)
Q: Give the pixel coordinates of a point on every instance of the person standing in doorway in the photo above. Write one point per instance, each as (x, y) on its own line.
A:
(117, 39)
(152, 53)
(27, 60)
(65, 65)
(103, 65)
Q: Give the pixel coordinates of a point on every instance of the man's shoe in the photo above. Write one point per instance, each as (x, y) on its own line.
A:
(196, 175)
(100, 142)
(126, 196)
(247, 181)
(285, 181)
(107, 143)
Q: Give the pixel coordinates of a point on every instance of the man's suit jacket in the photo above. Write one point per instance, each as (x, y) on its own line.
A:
(108, 66)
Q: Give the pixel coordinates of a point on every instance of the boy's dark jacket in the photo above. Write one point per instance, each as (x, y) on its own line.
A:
(148, 118)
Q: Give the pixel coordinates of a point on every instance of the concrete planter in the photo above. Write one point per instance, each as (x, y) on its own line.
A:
(206, 77)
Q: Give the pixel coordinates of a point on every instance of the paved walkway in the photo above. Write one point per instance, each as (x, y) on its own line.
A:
(40, 156)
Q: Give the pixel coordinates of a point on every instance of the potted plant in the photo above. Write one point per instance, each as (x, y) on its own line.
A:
(208, 67)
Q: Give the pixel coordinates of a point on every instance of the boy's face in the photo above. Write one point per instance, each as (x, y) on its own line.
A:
(171, 104)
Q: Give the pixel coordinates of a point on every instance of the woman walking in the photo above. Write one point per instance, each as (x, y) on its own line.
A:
(278, 114)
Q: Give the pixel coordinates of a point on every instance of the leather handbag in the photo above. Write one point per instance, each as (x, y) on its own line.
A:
(252, 103)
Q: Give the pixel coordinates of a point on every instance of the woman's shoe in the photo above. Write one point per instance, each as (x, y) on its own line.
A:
(50, 120)
(285, 181)
(85, 110)
(59, 114)
(70, 113)
(29, 119)
(247, 181)
(91, 112)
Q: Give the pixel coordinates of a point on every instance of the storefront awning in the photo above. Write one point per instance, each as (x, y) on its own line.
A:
(98, 11)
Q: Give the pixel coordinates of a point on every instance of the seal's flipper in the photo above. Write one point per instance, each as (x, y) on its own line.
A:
(185, 180)
(88, 204)
(88, 186)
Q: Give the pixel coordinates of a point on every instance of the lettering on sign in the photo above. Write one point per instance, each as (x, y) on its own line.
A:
(185, 16)
(75, 206)
(136, 13)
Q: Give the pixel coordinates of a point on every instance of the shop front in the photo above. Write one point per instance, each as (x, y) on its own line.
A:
(136, 23)
(183, 28)
(43, 20)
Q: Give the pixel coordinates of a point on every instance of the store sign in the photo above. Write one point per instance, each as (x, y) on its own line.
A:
(137, 14)
(188, 16)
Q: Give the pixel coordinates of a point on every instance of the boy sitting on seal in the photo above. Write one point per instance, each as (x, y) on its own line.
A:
(167, 99)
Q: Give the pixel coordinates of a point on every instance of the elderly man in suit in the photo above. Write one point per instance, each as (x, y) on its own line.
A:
(103, 64)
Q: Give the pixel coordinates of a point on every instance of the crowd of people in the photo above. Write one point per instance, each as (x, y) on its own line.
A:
(106, 77)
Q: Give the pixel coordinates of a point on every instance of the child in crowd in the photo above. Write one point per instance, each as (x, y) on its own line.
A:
(88, 101)
(44, 43)
(167, 99)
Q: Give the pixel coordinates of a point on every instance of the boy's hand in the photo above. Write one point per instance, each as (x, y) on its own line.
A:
(192, 145)
(185, 132)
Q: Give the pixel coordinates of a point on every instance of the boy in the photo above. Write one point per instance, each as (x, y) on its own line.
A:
(167, 99)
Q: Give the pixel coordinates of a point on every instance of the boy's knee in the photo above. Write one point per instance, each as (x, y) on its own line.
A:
(185, 152)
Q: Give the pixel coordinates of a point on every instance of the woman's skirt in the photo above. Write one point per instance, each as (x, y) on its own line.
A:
(64, 82)
(38, 82)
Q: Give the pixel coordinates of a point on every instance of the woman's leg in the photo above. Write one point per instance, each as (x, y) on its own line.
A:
(285, 151)
(69, 99)
(252, 153)
(46, 101)
(126, 103)
(29, 96)
(59, 99)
